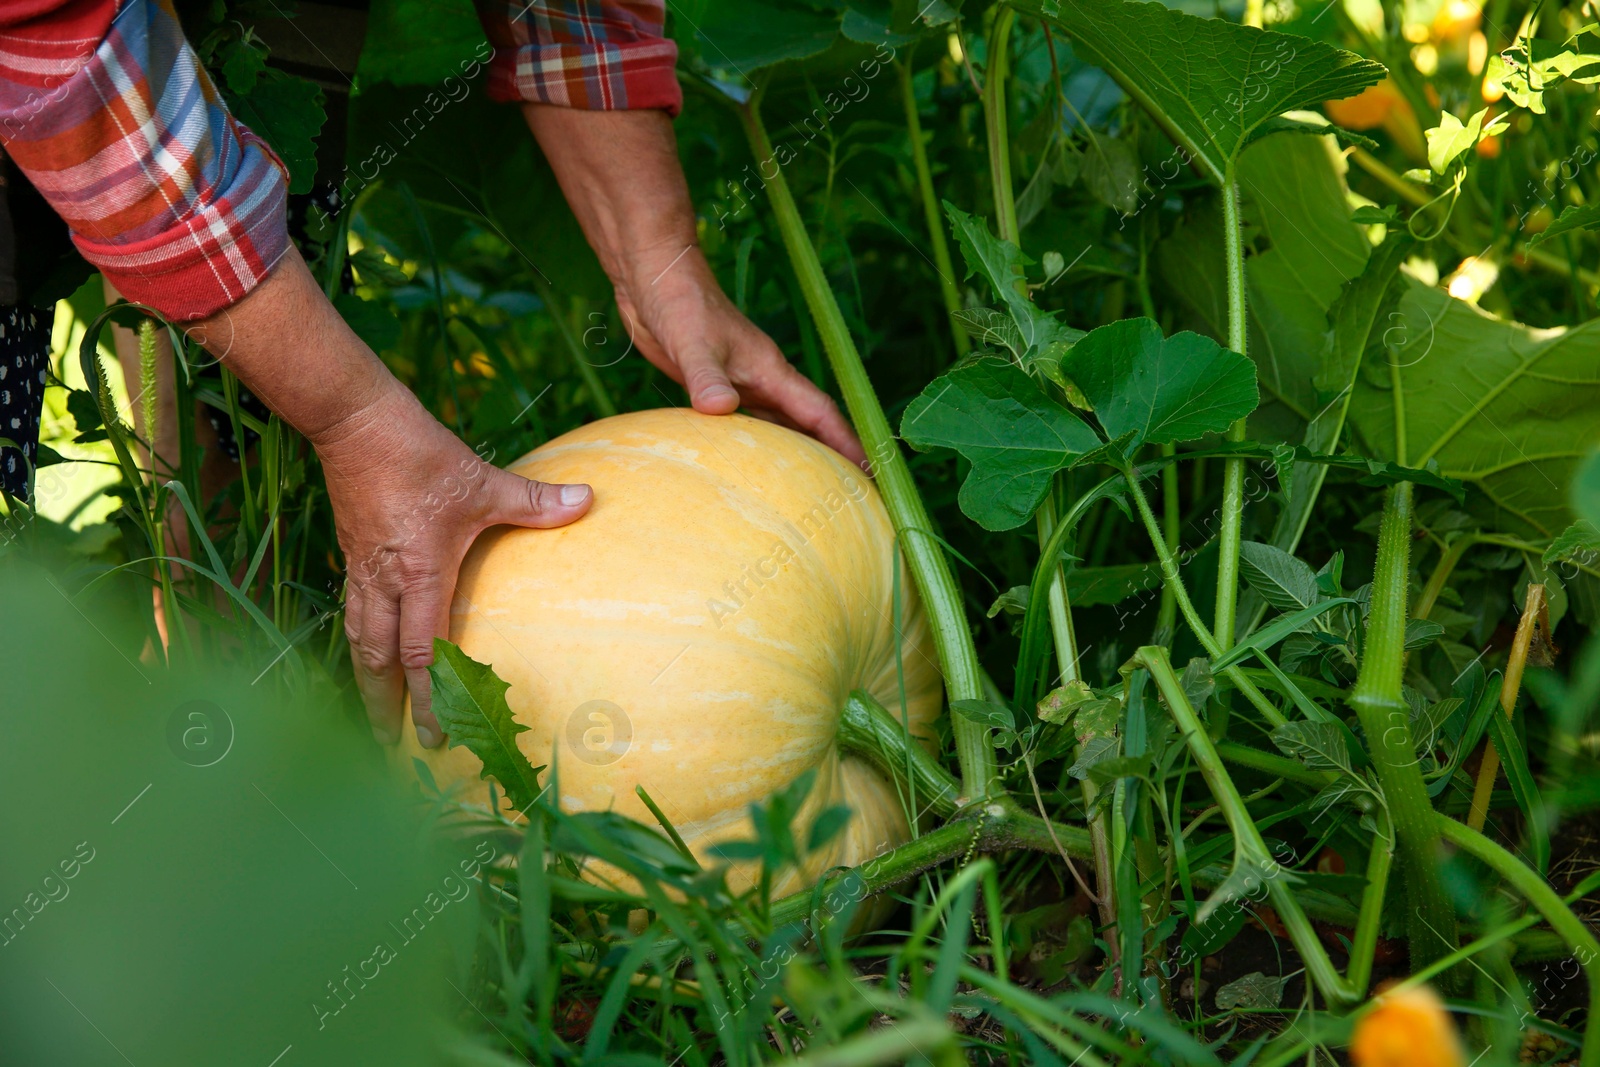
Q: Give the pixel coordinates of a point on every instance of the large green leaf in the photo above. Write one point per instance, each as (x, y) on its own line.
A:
(469, 700)
(1161, 390)
(1208, 82)
(1582, 217)
(287, 112)
(739, 37)
(1504, 407)
(421, 42)
(1015, 436)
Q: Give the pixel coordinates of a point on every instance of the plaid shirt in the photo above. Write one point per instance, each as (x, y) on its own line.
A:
(107, 110)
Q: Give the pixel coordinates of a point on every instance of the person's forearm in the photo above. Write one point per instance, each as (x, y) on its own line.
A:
(620, 173)
(291, 348)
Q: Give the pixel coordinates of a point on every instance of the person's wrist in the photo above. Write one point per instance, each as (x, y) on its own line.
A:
(380, 405)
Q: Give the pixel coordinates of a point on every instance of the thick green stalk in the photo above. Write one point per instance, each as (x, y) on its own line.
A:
(1060, 611)
(941, 596)
(1536, 891)
(1386, 722)
(930, 210)
(1250, 846)
(1232, 469)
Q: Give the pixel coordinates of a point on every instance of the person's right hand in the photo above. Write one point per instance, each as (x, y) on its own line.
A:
(409, 498)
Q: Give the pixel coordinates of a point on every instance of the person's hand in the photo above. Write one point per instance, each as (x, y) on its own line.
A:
(408, 501)
(620, 173)
(681, 321)
(408, 497)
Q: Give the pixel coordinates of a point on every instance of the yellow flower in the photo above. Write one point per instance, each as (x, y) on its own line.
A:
(1409, 1028)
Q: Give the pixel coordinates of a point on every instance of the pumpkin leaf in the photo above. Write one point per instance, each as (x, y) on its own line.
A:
(1284, 581)
(287, 112)
(1160, 390)
(1015, 436)
(985, 712)
(1001, 264)
(1254, 992)
(1504, 407)
(1577, 217)
(1452, 138)
(1209, 83)
(469, 700)
(1586, 490)
(1533, 65)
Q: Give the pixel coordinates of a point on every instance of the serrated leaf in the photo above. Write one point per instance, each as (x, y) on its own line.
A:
(469, 700)
(1319, 745)
(1198, 682)
(1001, 263)
(1160, 390)
(1581, 540)
(1096, 750)
(1015, 436)
(1208, 82)
(287, 113)
(992, 329)
(1578, 217)
(985, 713)
(1254, 991)
(1059, 705)
(1284, 581)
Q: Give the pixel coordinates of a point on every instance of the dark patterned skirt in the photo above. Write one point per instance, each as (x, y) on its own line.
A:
(24, 359)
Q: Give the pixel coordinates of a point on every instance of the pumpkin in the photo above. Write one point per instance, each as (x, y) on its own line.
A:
(698, 631)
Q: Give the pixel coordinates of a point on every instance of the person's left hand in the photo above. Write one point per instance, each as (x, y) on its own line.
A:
(681, 321)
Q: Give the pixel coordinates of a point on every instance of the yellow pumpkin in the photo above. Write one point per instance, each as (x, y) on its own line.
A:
(698, 631)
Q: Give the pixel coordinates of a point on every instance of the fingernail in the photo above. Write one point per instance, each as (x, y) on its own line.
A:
(572, 495)
(427, 736)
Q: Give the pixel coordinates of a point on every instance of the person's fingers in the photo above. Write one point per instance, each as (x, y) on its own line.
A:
(424, 615)
(783, 389)
(372, 623)
(707, 383)
(518, 501)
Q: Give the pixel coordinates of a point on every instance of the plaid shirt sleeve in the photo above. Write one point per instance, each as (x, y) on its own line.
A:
(598, 55)
(106, 109)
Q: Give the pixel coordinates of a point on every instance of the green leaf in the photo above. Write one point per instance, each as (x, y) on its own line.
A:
(1110, 769)
(1313, 123)
(1577, 217)
(985, 712)
(1586, 490)
(287, 112)
(1319, 745)
(1060, 705)
(1504, 407)
(373, 267)
(1160, 390)
(1514, 758)
(469, 700)
(1253, 992)
(739, 37)
(1284, 581)
(996, 416)
(1533, 65)
(828, 826)
(1422, 632)
(1091, 586)
(1096, 750)
(1208, 82)
(1270, 635)
(371, 321)
(1001, 263)
(421, 42)
(1451, 139)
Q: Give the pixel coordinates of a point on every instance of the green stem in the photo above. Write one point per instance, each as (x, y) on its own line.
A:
(941, 596)
(1536, 891)
(1249, 845)
(1386, 721)
(1166, 616)
(1174, 581)
(1232, 469)
(868, 730)
(591, 378)
(930, 210)
(994, 117)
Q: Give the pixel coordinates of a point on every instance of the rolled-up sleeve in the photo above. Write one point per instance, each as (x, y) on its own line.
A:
(107, 110)
(599, 55)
